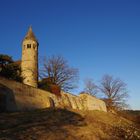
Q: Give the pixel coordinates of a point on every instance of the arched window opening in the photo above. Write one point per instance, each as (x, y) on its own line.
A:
(28, 46)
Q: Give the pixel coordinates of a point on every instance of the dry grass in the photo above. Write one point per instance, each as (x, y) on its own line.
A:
(61, 124)
(131, 115)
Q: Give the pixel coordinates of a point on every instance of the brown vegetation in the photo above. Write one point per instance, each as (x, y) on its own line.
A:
(47, 85)
(131, 115)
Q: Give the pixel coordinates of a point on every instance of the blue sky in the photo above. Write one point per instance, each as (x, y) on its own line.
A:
(96, 36)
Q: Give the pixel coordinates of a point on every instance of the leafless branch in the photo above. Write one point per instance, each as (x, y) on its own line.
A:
(115, 92)
(57, 69)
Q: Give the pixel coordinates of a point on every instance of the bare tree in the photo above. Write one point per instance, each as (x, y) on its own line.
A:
(115, 92)
(90, 87)
(58, 71)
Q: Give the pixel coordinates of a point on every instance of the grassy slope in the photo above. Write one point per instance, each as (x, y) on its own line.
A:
(60, 124)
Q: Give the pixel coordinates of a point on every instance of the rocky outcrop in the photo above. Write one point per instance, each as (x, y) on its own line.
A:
(82, 102)
(92, 103)
(18, 97)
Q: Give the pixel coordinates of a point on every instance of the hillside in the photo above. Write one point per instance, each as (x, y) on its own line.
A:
(61, 124)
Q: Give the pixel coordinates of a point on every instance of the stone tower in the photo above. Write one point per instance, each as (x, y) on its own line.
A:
(29, 63)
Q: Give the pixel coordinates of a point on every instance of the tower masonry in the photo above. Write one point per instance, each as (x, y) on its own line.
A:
(29, 63)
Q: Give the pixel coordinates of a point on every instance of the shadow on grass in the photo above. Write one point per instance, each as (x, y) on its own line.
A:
(34, 124)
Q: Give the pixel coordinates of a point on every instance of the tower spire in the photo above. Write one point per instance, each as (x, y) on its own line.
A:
(30, 35)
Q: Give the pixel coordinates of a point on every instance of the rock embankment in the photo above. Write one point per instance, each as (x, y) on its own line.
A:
(16, 96)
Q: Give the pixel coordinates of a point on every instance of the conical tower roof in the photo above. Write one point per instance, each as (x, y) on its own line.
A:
(30, 35)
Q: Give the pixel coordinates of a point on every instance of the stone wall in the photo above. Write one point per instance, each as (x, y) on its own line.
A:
(23, 97)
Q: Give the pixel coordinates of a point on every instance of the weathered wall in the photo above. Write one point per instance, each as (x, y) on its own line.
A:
(26, 97)
(92, 103)
(23, 97)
